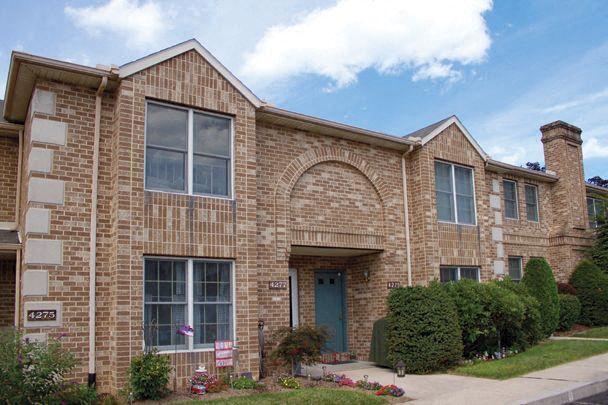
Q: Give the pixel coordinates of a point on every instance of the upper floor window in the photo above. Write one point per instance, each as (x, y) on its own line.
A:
(454, 193)
(510, 199)
(188, 151)
(531, 202)
(515, 268)
(597, 210)
(449, 273)
(180, 292)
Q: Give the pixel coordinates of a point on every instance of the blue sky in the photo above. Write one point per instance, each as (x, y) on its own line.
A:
(504, 68)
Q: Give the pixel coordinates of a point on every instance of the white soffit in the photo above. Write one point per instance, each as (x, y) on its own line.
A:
(454, 120)
(192, 44)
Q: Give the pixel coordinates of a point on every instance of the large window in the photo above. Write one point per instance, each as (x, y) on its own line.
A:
(510, 199)
(454, 193)
(531, 202)
(597, 210)
(515, 268)
(449, 273)
(188, 151)
(180, 292)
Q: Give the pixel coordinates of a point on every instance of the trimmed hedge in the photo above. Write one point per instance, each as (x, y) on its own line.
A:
(591, 285)
(422, 329)
(569, 311)
(530, 331)
(539, 280)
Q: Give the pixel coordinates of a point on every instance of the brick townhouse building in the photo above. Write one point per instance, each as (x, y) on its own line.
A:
(139, 198)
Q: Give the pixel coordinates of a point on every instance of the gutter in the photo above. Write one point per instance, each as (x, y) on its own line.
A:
(93, 234)
(406, 216)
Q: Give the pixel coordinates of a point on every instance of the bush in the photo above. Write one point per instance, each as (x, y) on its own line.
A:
(299, 345)
(289, 382)
(245, 383)
(538, 278)
(569, 311)
(471, 303)
(529, 333)
(566, 288)
(33, 372)
(422, 329)
(599, 251)
(149, 376)
(592, 291)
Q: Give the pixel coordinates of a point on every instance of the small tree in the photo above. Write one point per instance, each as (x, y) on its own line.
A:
(598, 181)
(34, 373)
(592, 290)
(299, 345)
(599, 250)
(539, 280)
(535, 166)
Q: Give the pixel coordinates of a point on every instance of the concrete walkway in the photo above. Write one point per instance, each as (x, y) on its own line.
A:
(453, 389)
(575, 338)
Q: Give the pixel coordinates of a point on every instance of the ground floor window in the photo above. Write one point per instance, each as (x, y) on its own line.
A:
(515, 268)
(180, 292)
(450, 273)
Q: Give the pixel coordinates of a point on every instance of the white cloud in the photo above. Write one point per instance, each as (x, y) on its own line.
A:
(594, 148)
(340, 41)
(138, 23)
(578, 102)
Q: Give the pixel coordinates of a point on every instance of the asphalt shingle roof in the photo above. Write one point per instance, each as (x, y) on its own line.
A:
(421, 133)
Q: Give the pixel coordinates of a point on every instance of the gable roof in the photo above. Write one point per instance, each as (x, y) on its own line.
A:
(138, 65)
(428, 133)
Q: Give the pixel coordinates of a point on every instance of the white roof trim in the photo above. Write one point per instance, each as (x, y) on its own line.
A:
(192, 44)
(454, 120)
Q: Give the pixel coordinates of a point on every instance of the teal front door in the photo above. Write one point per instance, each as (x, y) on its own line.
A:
(329, 308)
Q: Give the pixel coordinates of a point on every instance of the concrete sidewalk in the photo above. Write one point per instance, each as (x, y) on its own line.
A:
(453, 389)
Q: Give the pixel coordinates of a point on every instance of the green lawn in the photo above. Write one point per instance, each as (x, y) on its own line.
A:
(545, 355)
(301, 396)
(594, 333)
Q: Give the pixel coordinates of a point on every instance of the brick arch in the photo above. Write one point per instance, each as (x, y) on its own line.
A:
(298, 167)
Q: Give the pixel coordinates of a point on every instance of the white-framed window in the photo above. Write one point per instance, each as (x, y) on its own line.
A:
(510, 199)
(180, 292)
(188, 151)
(454, 273)
(515, 268)
(455, 194)
(531, 202)
(596, 209)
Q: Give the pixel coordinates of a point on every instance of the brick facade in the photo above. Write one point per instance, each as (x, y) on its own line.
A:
(305, 198)
(9, 157)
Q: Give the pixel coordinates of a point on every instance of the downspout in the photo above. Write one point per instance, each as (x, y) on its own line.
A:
(93, 235)
(407, 217)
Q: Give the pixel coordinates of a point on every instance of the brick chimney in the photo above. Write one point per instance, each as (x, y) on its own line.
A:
(564, 156)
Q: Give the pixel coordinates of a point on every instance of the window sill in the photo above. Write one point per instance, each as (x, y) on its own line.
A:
(178, 351)
(456, 223)
(217, 197)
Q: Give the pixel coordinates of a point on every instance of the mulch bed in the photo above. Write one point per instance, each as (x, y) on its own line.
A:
(270, 385)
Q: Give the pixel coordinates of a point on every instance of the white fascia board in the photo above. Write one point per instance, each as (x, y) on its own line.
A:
(192, 44)
(454, 120)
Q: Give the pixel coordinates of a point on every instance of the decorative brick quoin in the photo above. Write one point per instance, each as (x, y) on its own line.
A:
(162, 193)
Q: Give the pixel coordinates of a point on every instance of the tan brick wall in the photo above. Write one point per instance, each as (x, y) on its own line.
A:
(9, 162)
(142, 223)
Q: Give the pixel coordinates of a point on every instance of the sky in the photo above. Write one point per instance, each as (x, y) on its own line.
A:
(504, 68)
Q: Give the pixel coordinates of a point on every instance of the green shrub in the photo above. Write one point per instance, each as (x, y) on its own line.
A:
(299, 345)
(34, 373)
(422, 329)
(471, 303)
(529, 333)
(599, 251)
(538, 278)
(245, 383)
(569, 311)
(289, 382)
(592, 291)
(149, 376)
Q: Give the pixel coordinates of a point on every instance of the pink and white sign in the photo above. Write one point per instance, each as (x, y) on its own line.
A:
(223, 353)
